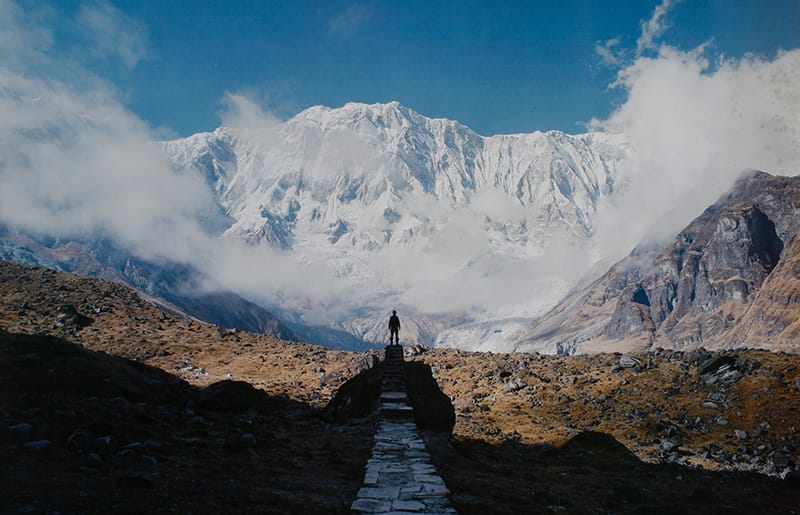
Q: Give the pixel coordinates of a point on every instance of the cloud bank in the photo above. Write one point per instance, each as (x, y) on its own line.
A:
(696, 122)
(76, 164)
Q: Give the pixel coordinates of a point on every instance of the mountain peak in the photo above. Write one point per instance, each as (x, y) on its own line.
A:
(356, 114)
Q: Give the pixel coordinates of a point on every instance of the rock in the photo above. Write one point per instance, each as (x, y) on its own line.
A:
(731, 376)
(152, 443)
(415, 350)
(789, 368)
(230, 396)
(698, 356)
(514, 385)
(669, 445)
(741, 435)
(328, 378)
(68, 315)
(780, 460)
(80, 439)
(628, 362)
(714, 364)
(39, 445)
(21, 429)
(366, 505)
(149, 459)
(367, 362)
(408, 506)
(709, 404)
(95, 458)
(793, 478)
(248, 440)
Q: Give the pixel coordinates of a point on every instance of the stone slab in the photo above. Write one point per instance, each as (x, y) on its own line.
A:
(379, 492)
(371, 506)
(408, 505)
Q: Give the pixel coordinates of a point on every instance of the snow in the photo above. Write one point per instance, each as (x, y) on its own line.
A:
(344, 186)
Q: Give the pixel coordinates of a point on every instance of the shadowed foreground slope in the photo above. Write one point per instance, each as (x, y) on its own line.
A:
(85, 432)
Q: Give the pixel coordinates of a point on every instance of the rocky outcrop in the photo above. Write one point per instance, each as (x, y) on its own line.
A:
(698, 290)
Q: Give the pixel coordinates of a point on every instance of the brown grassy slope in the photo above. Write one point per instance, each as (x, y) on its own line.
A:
(536, 399)
(123, 324)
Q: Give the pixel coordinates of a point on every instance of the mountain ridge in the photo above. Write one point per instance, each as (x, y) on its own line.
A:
(696, 291)
(351, 186)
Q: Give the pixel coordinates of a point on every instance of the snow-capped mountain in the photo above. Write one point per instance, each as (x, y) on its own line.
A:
(405, 209)
(353, 170)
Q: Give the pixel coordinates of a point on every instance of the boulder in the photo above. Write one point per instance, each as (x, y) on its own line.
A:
(367, 362)
(39, 445)
(712, 364)
(230, 396)
(793, 478)
(69, 316)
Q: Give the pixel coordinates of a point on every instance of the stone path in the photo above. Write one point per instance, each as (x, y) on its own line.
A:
(399, 477)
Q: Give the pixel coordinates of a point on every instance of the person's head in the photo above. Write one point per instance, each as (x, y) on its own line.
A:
(394, 312)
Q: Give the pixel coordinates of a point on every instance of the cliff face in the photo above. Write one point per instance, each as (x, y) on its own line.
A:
(733, 267)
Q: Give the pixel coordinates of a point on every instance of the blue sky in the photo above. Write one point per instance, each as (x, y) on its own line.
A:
(499, 67)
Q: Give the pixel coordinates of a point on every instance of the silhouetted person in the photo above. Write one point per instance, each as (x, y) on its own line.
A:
(394, 328)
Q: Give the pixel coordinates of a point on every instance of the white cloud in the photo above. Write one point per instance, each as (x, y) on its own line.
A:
(695, 124)
(350, 21)
(113, 32)
(653, 28)
(77, 163)
(241, 111)
(609, 52)
(21, 40)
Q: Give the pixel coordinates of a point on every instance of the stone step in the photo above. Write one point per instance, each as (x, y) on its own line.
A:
(397, 411)
(394, 396)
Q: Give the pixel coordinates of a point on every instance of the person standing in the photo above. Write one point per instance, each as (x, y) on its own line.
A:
(394, 328)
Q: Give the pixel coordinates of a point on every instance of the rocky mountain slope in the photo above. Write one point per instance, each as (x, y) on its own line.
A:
(729, 279)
